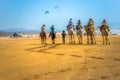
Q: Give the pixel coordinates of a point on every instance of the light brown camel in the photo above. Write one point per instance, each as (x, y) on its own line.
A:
(71, 35)
(104, 29)
(79, 33)
(90, 35)
(43, 37)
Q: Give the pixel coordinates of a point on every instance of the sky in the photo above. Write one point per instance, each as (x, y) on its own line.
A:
(30, 14)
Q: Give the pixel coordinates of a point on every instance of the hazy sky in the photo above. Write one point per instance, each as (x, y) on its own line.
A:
(30, 13)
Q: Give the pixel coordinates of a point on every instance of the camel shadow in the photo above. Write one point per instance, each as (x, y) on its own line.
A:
(43, 48)
(95, 57)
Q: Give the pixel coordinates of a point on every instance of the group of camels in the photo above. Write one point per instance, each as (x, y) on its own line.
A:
(90, 32)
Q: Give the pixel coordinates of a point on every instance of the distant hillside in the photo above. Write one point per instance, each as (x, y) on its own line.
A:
(8, 32)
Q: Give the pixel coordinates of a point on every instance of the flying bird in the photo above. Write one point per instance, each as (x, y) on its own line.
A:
(47, 12)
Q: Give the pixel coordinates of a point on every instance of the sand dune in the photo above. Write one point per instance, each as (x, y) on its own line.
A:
(27, 59)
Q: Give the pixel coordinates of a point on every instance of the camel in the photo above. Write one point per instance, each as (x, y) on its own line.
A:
(90, 35)
(79, 33)
(71, 30)
(104, 29)
(53, 36)
(43, 37)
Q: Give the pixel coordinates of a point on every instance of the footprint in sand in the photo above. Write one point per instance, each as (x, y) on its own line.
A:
(36, 76)
(91, 79)
(28, 78)
(96, 57)
(60, 54)
(117, 74)
(116, 59)
(76, 56)
(64, 70)
(48, 73)
(94, 67)
(104, 77)
(32, 77)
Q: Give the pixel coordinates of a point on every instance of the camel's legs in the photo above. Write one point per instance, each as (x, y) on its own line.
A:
(94, 39)
(44, 40)
(53, 41)
(73, 39)
(70, 39)
(108, 40)
(87, 39)
(41, 41)
(81, 38)
(91, 39)
(78, 39)
(103, 39)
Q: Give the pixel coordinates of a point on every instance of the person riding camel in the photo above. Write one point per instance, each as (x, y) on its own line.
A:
(104, 25)
(53, 30)
(78, 27)
(52, 34)
(43, 34)
(91, 24)
(70, 23)
(43, 28)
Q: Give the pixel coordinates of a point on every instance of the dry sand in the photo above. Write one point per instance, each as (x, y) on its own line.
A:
(27, 59)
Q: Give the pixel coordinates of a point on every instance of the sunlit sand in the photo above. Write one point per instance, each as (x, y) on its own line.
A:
(27, 59)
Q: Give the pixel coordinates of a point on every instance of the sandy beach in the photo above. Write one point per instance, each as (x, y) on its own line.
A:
(28, 59)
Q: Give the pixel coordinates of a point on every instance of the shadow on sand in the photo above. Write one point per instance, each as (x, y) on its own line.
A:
(43, 48)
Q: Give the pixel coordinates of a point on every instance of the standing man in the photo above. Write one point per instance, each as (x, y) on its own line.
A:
(63, 36)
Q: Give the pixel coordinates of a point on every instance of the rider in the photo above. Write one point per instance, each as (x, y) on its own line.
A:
(104, 25)
(78, 27)
(91, 24)
(70, 23)
(53, 29)
(43, 28)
